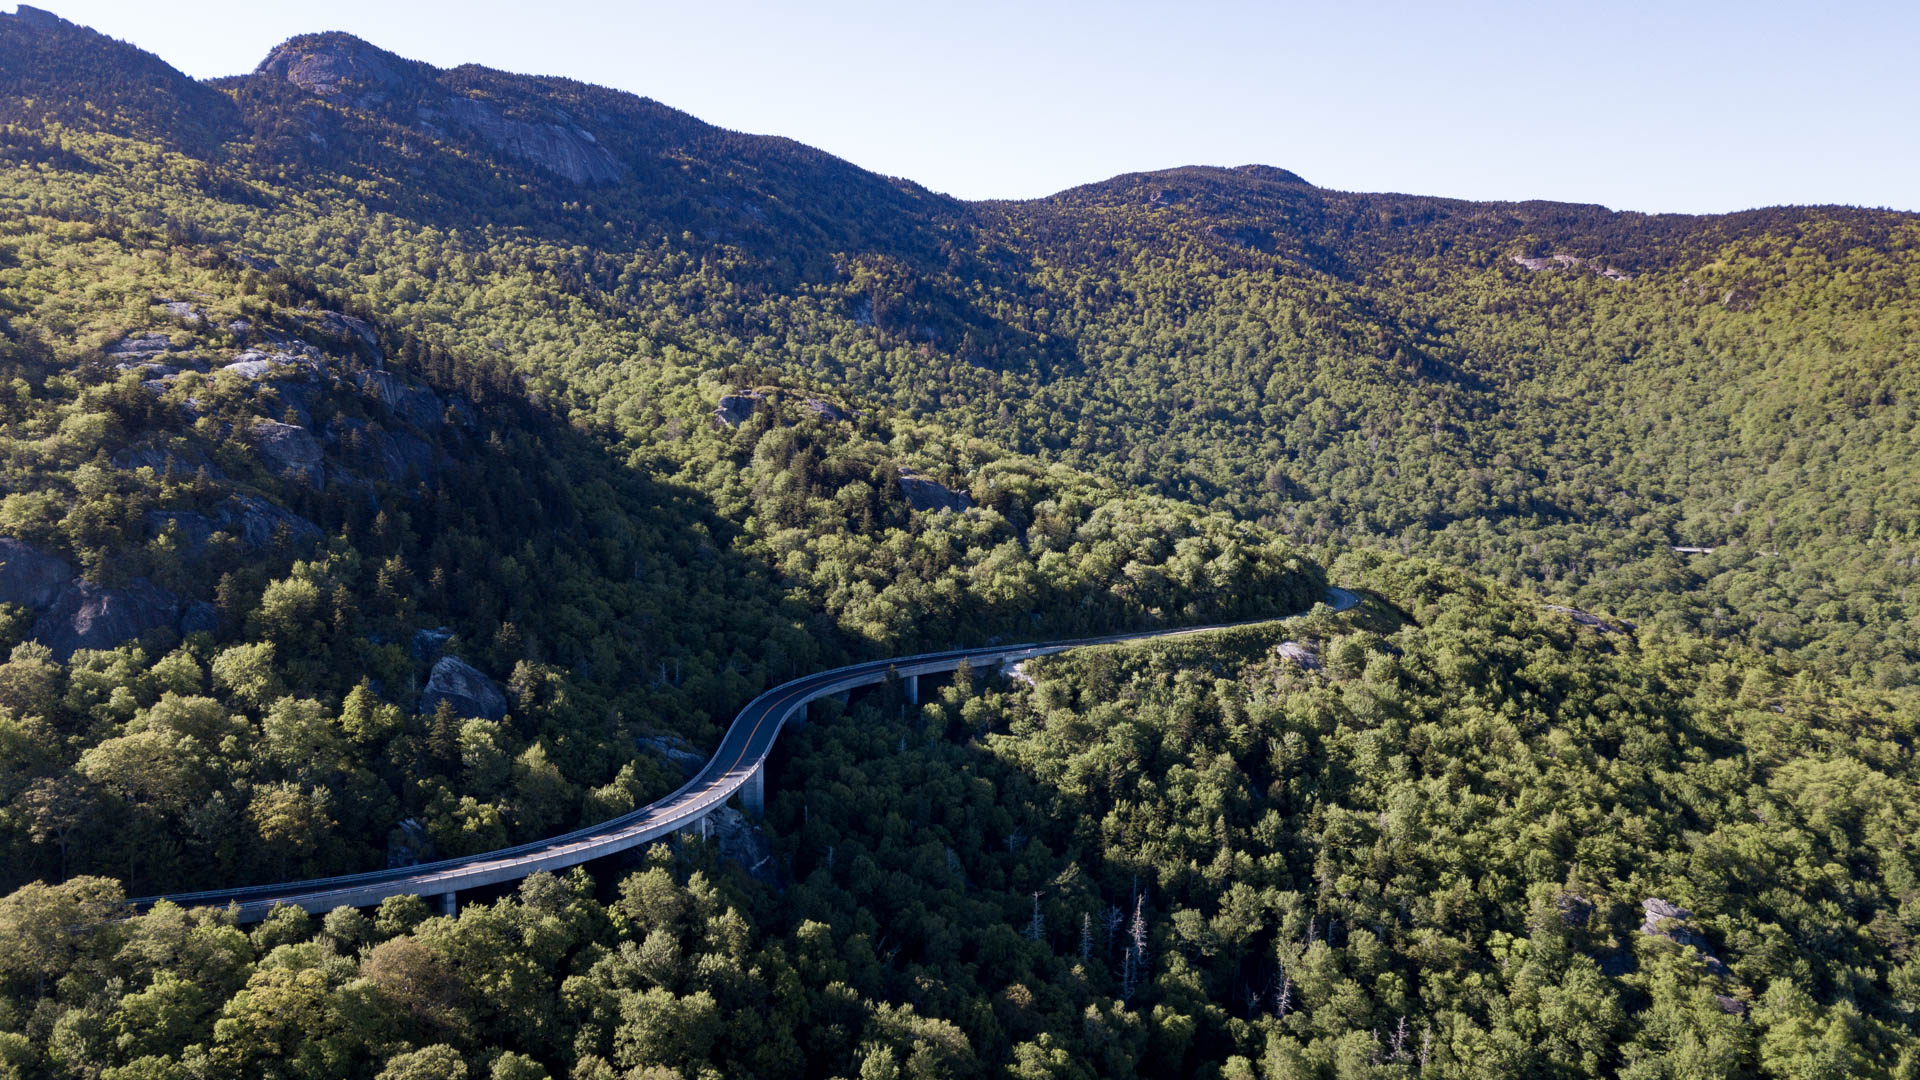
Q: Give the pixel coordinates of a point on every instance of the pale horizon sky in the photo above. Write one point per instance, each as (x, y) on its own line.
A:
(1701, 107)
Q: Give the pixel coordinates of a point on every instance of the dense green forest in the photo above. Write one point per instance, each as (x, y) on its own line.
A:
(400, 462)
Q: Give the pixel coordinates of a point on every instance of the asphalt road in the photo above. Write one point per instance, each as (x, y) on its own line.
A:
(741, 753)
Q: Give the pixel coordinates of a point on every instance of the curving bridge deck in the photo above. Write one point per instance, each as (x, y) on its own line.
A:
(738, 766)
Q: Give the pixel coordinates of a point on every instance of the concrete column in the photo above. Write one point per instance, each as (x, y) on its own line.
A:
(449, 904)
(912, 686)
(753, 793)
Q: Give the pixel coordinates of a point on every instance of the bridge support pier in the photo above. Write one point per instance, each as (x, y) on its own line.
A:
(911, 684)
(449, 904)
(753, 793)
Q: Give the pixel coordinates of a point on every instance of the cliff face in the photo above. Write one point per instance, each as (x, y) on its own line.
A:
(351, 72)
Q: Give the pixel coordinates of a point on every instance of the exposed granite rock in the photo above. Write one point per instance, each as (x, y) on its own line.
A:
(464, 687)
(674, 752)
(290, 451)
(89, 616)
(193, 530)
(165, 462)
(137, 347)
(427, 643)
(394, 456)
(415, 404)
(184, 311)
(742, 841)
(29, 576)
(1589, 619)
(408, 845)
(555, 144)
(1300, 655)
(924, 494)
(734, 409)
(258, 522)
(199, 616)
(346, 326)
(333, 65)
(1665, 919)
(829, 410)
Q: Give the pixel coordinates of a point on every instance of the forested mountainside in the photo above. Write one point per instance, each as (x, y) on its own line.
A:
(403, 462)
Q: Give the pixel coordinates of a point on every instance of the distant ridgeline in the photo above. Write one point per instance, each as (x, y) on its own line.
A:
(399, 462)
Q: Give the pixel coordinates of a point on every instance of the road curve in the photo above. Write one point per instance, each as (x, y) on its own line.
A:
(741, 755)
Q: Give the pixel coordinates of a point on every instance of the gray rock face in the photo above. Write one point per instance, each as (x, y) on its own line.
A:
(829, 410)
(30, 577)
(165, 462)
(674, 752)
(464, 687)
(1300, 655)
(735, 409)
(1588, 619)
(138, 347)
(394, 456)
(408, 845)
(181, 309)
(415, 404)
(347, 326)
(332, 64)
(199, 616)
(193, 530)
(258, 522)
(88, 616)
(1665, 919)
(557, 145)
(290, 451)
(924, 494)
(426, 644)
(742, 841)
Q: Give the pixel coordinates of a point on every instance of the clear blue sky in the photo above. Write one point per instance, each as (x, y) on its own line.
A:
(1686, 106)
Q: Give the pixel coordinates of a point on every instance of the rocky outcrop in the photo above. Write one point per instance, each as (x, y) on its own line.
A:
(931, 495)
(259, 523)
(135, 348)
(1665, 919)
(414, 404)
(742, 841)
(89, 616)
(674, 752)
(408, 845)
(199, 617)
(1301, 656)
(1590, 620)
(829, 410)
(555, 143)
(393, 456)
(734, 409)
(427, 643)
(464, 687)
(341, 66)
(29, 576)
(165, 462)
(290, 451)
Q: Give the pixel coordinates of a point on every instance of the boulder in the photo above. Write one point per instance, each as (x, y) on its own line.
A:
(734, 409)
(1665, 919)
(1298, 654)
(829, 410)
(290, 451)
(464, 687)
(1588, 619)
(29, 576)
(924, 494)
(89, 616)
(675, 752)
